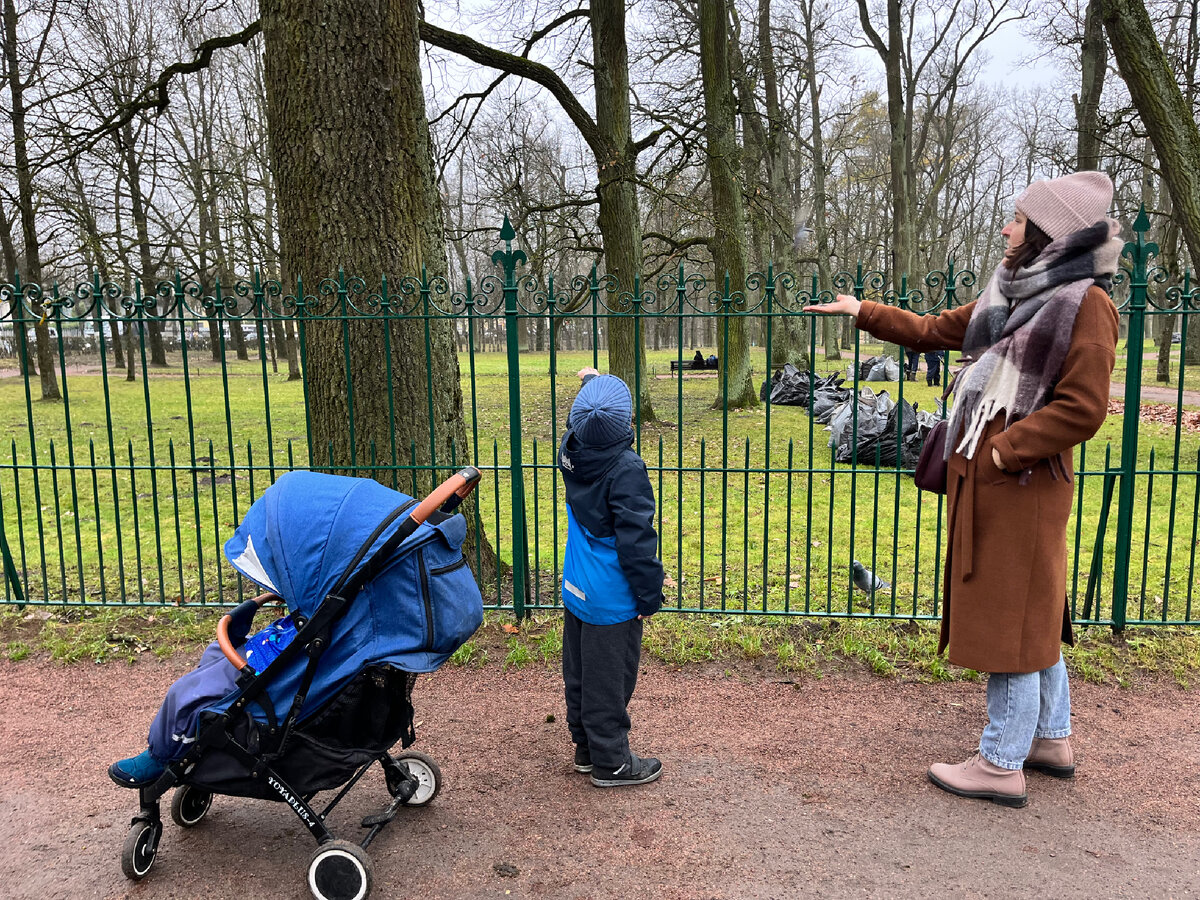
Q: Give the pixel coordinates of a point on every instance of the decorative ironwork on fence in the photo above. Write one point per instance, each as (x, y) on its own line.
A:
(123, 492)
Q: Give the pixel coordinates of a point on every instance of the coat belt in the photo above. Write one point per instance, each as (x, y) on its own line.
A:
(965, 521)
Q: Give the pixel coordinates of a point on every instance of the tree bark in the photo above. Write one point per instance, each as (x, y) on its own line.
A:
(24, 173)
(346, 107)
(619, 218)
(1162, 108)
(736, 388)
(1094, 64)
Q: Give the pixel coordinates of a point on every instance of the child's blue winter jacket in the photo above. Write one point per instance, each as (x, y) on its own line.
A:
(611, 572)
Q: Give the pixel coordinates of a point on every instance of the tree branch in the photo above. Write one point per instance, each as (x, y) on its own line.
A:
(522, 68)
(154, 96)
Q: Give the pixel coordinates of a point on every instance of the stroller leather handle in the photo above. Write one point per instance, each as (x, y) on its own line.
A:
(223, 641)
(447, 495)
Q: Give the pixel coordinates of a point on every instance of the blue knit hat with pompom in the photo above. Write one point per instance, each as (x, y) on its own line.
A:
(602, 412)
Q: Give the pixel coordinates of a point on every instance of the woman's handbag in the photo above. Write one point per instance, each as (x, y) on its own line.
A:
(930, 473)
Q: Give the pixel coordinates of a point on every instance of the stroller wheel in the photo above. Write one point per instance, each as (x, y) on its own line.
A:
(340, 870)
(427, 773)
(189, 806)
(140, 850)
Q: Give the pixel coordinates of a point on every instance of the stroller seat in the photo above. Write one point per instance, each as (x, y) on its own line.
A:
(379, 592)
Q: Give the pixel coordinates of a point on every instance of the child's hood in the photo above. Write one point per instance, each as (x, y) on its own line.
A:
(586, 462)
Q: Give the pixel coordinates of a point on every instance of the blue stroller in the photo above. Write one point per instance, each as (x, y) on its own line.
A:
(378, 591)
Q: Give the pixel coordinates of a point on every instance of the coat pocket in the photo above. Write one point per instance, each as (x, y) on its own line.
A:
(987, 468)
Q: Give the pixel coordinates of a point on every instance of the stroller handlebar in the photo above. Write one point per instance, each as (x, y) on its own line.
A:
(446, 497)
(247, 609)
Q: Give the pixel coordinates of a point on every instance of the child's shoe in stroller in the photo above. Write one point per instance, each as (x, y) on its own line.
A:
(636, 771)
(583, 758)
(138, 771)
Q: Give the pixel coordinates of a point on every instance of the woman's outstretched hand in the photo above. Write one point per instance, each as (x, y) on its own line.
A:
(844, 304)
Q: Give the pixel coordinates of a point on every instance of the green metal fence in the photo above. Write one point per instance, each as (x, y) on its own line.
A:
(123, 492)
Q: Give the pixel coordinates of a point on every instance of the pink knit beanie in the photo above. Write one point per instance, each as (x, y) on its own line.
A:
(1059, 206)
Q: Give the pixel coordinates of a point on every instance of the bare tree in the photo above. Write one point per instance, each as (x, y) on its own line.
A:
(736, 388)
(20, 74)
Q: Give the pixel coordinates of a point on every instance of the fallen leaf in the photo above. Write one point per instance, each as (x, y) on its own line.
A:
(510, 628)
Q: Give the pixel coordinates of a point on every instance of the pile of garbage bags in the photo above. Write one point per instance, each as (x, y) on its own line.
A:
(880, 419)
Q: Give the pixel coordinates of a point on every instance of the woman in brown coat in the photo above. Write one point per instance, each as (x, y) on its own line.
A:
(1038, 350)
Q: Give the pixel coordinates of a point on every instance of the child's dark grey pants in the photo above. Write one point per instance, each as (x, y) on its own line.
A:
(600, 666)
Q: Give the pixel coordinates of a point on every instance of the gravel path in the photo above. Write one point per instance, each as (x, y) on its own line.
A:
(771, 790)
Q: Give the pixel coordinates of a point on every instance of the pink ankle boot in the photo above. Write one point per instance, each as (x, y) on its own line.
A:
(979, 778)
(1053, 756)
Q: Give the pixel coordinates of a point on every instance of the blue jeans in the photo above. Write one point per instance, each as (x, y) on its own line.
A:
(1021, 707)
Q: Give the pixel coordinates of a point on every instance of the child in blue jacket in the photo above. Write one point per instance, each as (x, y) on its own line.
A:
(612, 579)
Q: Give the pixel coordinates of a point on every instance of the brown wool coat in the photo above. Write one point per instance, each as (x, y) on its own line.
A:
(1005, 586)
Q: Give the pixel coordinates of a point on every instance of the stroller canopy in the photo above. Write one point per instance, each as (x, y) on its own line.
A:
(309, 531)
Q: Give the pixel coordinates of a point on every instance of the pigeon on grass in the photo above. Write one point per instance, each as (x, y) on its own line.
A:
(865, 579)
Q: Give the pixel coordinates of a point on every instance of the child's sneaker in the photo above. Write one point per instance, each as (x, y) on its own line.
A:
(138, 771)
(636, 771)
(583, 758)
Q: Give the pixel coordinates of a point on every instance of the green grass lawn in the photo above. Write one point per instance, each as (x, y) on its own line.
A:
(753, 514)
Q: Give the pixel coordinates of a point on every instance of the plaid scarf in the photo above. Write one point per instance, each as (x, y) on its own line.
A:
(1020, 330)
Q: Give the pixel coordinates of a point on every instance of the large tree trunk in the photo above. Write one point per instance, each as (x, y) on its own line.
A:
(1162, 108)
(729, 240)
(620, 220)
(346, 107)
(24, 173)
(269, 231)
(1094, 64)
(755, 190)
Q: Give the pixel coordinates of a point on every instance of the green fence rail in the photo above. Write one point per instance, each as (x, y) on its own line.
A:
(122, 492)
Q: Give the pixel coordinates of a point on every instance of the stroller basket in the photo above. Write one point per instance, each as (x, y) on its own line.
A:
(371, 714)
(377, 587)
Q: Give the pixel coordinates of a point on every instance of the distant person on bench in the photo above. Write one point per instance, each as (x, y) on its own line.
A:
(698, 360)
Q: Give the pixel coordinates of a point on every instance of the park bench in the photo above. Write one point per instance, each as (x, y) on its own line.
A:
(690, 365)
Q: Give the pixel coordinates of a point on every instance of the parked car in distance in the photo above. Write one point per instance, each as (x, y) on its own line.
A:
(1176, 338)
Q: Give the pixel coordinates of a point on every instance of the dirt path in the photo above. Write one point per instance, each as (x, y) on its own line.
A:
(771, 790)
(1154, 394)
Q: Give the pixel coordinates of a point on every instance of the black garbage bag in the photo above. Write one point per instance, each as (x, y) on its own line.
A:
(791, 387)
(879, 368)
(872, 412)
(877, 441)
(786, 381)
(826, 401)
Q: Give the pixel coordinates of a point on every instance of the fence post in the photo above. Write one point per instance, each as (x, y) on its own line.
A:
(509, 259)
(1139, 251)
(10, 568)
